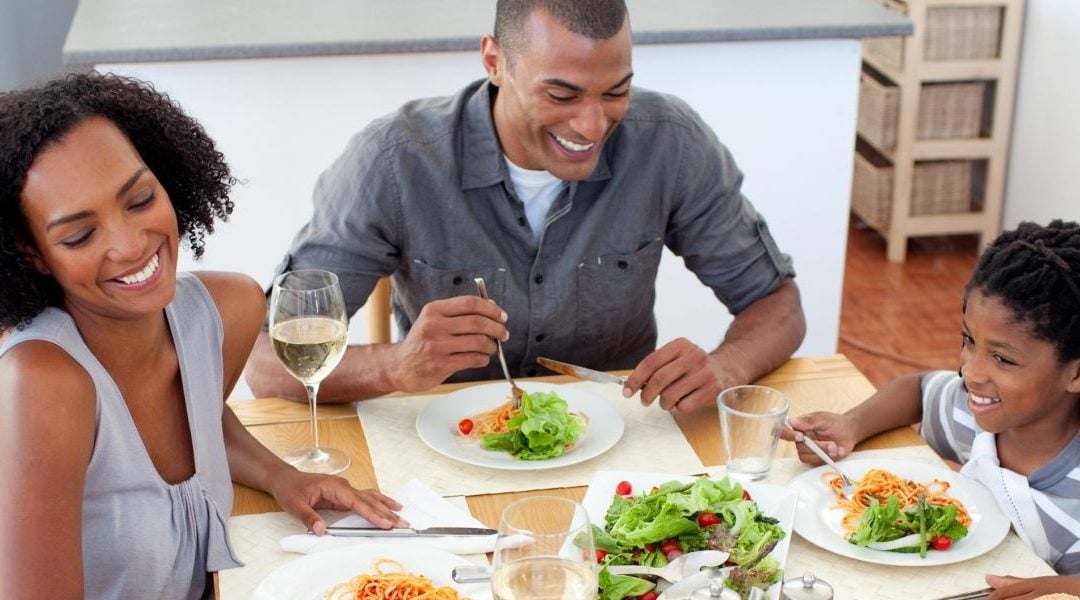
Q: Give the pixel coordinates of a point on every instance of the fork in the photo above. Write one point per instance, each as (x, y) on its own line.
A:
(515, 391)
(849, 487)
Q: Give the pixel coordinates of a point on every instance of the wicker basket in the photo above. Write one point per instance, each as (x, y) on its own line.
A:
(953, 110)
(952, 33)
(937, 187)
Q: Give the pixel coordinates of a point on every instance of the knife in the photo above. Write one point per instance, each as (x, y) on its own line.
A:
(407, 532)
(580, 372)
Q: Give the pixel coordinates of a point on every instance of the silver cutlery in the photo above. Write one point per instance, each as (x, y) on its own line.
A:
(580, 372)
(849, 487)
(407, 531)
(514, 389)
(975, 595)
(681, 567)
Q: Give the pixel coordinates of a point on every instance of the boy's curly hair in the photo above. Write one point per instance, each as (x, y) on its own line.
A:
(1035, 271)
(174, 147)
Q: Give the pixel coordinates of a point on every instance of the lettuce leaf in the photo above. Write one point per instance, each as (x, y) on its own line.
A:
(542, 430)
(617, 587)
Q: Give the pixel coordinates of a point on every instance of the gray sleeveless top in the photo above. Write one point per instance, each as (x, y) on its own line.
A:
(141, 536)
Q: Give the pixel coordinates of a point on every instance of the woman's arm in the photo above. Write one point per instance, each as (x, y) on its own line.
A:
(47, 415)
(242, 306)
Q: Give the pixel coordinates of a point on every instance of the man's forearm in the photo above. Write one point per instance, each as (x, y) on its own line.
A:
(363, 373)
(763, 336)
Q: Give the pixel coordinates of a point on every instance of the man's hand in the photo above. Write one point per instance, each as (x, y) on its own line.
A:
(449, 336)
(681, 374)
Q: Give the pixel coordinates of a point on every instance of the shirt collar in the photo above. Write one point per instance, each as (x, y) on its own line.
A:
(482, 158)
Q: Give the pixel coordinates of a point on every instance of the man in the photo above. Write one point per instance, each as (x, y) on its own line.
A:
(559, 186)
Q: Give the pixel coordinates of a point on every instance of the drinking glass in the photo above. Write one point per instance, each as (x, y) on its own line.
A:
(751, 417)
(544, 551)
(309, 328)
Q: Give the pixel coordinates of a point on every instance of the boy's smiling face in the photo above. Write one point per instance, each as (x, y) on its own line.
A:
(1014, 379)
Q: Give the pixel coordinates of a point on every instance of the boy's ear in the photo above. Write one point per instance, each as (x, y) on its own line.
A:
(33, 257)
(1073, 367)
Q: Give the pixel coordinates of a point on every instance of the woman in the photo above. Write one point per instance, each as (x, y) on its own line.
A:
(117, 444)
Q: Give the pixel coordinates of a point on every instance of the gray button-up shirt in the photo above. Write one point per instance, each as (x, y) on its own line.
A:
(424, 195)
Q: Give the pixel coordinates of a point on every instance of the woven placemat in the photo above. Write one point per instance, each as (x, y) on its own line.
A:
(256, 541)
(651, 441)
(852, 579)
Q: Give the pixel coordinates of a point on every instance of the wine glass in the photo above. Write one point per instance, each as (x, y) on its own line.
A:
(544, 551)
(309, 328)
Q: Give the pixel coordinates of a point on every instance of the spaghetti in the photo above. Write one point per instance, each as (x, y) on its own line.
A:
(494, 420)
(880, 484)
(390, 585)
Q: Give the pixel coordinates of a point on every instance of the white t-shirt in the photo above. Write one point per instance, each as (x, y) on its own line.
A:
(538, 191)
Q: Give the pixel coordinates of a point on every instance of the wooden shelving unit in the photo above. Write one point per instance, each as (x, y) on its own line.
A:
(912, 181)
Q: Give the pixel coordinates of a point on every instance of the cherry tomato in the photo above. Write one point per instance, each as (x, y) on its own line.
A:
(667, 546)
(941, 542)
(623, 488)
(650, 547)
(650, 595)
(465, 426)
(707, 519)
(746, 495)
(600, 554)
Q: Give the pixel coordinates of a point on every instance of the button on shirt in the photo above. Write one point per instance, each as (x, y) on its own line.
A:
(424, 195)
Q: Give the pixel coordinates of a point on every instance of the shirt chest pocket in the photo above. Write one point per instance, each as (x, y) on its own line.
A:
(616, 293)
(424, 283)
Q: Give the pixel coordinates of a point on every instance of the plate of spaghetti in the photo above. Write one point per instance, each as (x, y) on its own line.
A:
(370, 572)
(901, 513)
(556, 426)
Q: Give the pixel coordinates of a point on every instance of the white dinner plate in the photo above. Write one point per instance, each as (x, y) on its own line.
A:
(311, 576)
(774, 501)
(437, 425)
(818, 518)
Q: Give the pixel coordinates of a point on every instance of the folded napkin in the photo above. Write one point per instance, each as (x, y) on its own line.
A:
(422, 508)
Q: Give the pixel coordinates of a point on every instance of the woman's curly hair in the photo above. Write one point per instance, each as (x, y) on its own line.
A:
(1035, 271)
(174, 147)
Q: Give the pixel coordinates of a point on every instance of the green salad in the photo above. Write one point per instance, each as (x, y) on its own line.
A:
(884, 526)
(543, 429)
(656, 526)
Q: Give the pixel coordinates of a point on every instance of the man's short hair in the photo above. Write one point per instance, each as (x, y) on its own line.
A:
(594, 19)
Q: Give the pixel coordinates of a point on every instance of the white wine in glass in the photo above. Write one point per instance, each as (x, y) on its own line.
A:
(544, 551)
(309, 329)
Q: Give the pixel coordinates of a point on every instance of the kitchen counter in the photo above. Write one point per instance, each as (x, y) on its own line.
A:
(122, 31)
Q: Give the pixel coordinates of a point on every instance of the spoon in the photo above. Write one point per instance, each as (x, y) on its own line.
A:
(515, 391)
(849, 488)
(681, 567)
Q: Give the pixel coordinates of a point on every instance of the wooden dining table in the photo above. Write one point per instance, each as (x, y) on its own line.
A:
(829, 383)
(813, 383)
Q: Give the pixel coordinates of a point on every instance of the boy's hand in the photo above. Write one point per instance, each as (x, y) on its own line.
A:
(834, 433)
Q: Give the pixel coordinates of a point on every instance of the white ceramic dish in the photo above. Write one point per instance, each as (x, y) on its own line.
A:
(818, 518)
(437, 425)
(311, 576)
(775, 501)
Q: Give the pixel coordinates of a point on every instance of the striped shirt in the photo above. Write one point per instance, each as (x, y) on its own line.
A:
(949, 427)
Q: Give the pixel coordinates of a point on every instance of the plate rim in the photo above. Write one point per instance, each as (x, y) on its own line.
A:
(989, 514)
(370, 550)
(617, 429)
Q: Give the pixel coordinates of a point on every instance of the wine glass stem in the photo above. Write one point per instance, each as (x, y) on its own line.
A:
(312, 392)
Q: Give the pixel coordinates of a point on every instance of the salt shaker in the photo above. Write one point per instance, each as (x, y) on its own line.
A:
(807, 587)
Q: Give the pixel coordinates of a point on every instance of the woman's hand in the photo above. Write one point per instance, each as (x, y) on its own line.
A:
(301, 493)
(834, 433)
(1014, 588)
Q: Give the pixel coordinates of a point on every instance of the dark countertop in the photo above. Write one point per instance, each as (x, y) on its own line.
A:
(116, 31)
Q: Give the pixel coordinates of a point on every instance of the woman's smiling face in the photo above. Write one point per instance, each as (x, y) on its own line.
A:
(101, 224)
(1014, 379)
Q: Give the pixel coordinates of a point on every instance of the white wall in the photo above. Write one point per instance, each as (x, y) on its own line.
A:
(786, 109)
(1044, 161)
